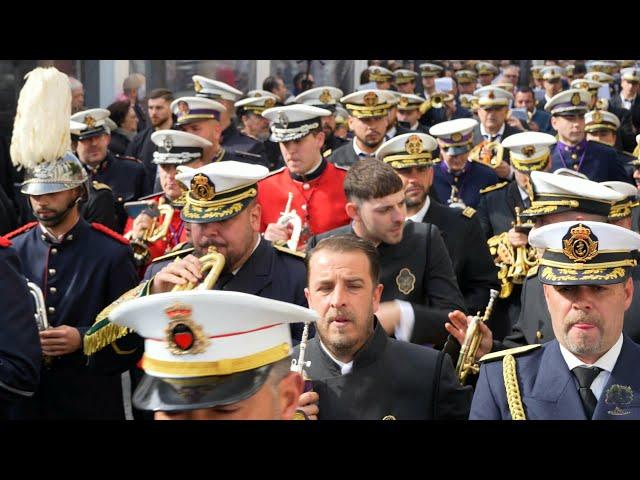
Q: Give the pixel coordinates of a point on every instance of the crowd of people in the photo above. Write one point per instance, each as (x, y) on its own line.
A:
(451, 240)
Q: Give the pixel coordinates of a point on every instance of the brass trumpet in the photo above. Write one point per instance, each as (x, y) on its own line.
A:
(467, 360)
(149, 235)
(489, 153)
(212, 263)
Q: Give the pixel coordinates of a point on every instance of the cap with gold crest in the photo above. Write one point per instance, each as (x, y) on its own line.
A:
(623, 208)
(551, 73)
(219, 191)
(379, 74)
(598, 76)
(631, 74)
(261, 93)
(430, 69)
(505, 86)
(195, 109)
(408, 101)
(292, 122)
(408, 150)
(205, 348)
(583, 84)
(491, 96)
(601, 120)
(321, 97)
(557, 192)
(535, 71)
(456, 136)
(403, 76)
(255, 105)
(466, 76)
(529, 151)
(214, 89)
(93, 122)
(486, 68)
(369, 103)
(605, 66)
(569, 102)
(174, 147)
(585, 253)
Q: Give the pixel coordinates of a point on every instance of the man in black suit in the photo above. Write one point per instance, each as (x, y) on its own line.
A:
(625, 105)
(420, 287)
(460, 229)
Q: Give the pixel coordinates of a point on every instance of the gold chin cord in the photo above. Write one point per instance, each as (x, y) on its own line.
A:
(211, 264)
(157, 231)
(467, 360)
(513, 263)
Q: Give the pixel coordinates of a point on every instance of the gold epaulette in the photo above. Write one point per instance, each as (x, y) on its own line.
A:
(327, 152)
(511, 351)
(469, 212)
(532, 271)
(100, 186)
(173, 254)
(496, 186)
(289, 251)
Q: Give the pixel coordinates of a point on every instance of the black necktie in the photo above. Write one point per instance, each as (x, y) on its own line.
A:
(586, 376)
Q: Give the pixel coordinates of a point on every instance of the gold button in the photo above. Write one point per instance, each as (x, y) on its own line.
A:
(53, 290)
(52, 271)
(51, 310)
(54, 251)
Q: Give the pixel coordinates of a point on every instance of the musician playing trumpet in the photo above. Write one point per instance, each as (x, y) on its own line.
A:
(173, 148)
(222, 212)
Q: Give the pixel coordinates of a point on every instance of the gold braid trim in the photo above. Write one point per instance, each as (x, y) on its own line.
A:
(224, 201)
(510, 376)
(588, 266)
(103, 332)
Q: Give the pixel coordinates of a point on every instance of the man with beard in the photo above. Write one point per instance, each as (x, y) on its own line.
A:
(244, 373)
(327, 98)
(79, 267)
(458, 180)
(460, 229)
(589, 371)
(231, 139)
(597, 161)
(368, 120)
(125, 176)
(141, 147)
(357, 371)
(420, 286)
(309, 185)
(222, 212)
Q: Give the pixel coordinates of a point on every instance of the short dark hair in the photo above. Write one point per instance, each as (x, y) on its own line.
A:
(118, 111)
(370, 178)
(525, 89)
(271, 83)
(346, 243)
(161, 93)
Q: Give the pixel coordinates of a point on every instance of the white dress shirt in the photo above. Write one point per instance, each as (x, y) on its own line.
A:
(606, 362)
(344, 367)
(358, 151)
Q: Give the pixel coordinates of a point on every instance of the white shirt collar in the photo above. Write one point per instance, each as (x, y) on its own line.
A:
(624, 100)
(358, 151)
(606, 362)
(499, 134)
(419, 215)
(523, 192)
(414, 126)
(391, 132)
(344, 367)
(316, 167)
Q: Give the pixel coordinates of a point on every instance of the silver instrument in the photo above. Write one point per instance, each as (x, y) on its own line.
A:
(41, 308)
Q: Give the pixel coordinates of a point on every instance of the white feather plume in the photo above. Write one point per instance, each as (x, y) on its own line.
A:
(41, 131)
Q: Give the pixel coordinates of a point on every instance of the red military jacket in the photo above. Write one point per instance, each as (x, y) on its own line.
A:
(318, 199)
(175, 235)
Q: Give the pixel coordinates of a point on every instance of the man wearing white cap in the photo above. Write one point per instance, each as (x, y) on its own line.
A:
(595, 160)
(405, 80)
(125, 175)
(410, 155)
(552, 83)
(201, 116)
(231, 139)
(222, 212)
(429, 72)
(467, 81)
(589, 370)
(327, 98)
(409, 114)
(174, 148)
(458, 180)
(368, 120)
(486, 73)
(629, 85)
(603, 126)
(315, 185)
(382, 76)
(357, 371)
(215, 355)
